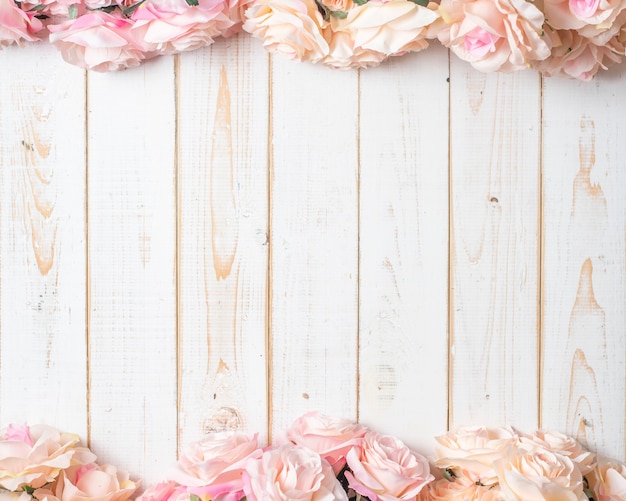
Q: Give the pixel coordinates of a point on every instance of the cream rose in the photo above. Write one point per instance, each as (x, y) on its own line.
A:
(493, 35)
(471, 451)
(589, 17)
(386, 469)
(330, 437)
(462, 489)
(390, 28)
(292, 28)
(291, 473)
(34, 455)
(93, 482)
(539, 474)
(566, 446)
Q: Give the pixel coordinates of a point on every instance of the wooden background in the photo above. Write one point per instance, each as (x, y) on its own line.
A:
(227, 239)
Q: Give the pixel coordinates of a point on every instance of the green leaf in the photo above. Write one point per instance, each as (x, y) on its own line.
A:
(193, 497)
(28, 489)
(339, 14)
(360, 2)
(423, 3)
(37, 8)
(192, 3)
(72, 11)
(129, 10)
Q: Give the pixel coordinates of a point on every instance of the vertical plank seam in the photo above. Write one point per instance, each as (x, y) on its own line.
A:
(269, 284)
(358, 251)
(177, 249)
(87, 268)
(541, 260)
(450, 329)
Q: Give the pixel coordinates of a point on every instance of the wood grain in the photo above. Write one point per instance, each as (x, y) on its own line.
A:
(42, 240)
(223, 107)
(583, 377)
(403, 274)
(495, 204)
(132, 269)
(314, 241)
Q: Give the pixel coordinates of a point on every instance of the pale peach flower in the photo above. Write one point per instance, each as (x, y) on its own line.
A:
(292, 28)
(539, 474)
(98, 41)
(14, 496)
(387, 470)
(291, 473)
(219, 458)
(338, 5)
(34, 455)
(462, 489)
(17, 26)
(470, 451)
(563, 444)
(344, 55)
(574, 56)
(391, 28)
(172, 26)
(235, 10)
(608, 481)
(93, 482)
(330, 437)
(493, 35)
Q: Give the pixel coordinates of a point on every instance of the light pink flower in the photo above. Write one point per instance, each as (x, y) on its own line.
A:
(220, 458)
(291, 473)
(98, 41)
(35, 465)
(292, 28)
(574, 56)
(589, 17)
(386, 469)
(172, 26)
(493, 35)
(17, 26)
(608, 481)
(538, 474)
(338, 5)
(470, 451)
(93, 482)
(330, 437)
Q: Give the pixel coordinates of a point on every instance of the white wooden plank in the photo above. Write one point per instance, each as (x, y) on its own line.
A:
(314, 241)
(495, 203)
(42, 240)
(132, 266)
(403, 278)
(584, 270)
(223, 96)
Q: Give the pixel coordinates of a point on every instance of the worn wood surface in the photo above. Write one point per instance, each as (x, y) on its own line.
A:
(225, 239)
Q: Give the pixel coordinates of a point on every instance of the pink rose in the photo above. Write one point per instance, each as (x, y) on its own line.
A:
(292, 28)
(34, 455)
(471, 451)
(386, 469)
(538, 474)
(172, 26)
(98, 41)
(93, 482)
(220, 458)
(330, 437)
(493, 35)
(589, 17)
(290, 473)
(17, 26)
(608, 481)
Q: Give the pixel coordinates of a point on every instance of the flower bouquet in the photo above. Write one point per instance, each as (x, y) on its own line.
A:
(320, 458)
(43, 464)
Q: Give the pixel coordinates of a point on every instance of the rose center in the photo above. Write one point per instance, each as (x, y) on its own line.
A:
(479, 42)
